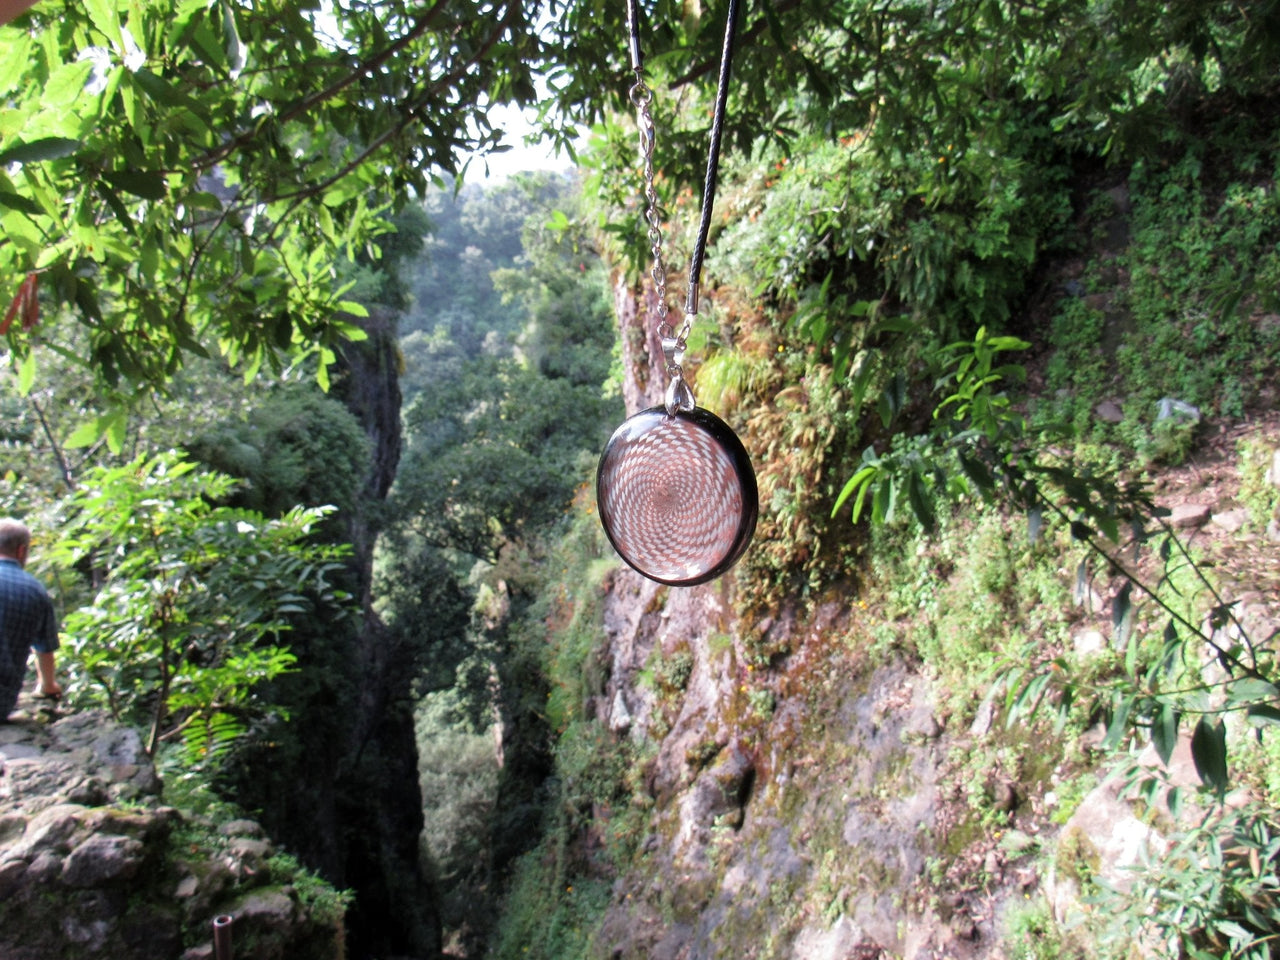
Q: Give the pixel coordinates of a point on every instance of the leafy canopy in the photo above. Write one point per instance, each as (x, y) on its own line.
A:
(184, 175)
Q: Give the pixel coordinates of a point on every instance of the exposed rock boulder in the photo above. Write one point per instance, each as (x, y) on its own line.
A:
(1109, 834)
(1187, 516)
(94, 864)
(1108, 411)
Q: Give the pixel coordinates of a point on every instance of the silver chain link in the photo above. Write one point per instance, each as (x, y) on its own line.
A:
(679, 396)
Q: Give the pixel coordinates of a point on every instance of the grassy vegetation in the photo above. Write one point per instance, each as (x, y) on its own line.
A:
(1179, 312)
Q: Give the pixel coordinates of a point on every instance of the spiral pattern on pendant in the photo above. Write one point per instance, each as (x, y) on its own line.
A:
(677, 495)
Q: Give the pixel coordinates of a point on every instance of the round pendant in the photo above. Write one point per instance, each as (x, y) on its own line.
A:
(677, 495)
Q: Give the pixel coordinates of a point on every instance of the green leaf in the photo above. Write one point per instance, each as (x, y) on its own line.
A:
(1170, 649)
(1006, 343)
(1081, 592)
(864, 370)
(897, 325)
(859, 480)
(123, 217)
(841, 347)
(1029, 700)
(977, 472)
(884, 503)
(27, 373)
(235, 49)
(1118, 729)
(356, 309)
(162, 92)
(860, 502)
(49, 148)
(203, 201)
(15, 201)
(66, 85)
(85, 435)
(885, 408)
(1065, 703)
(1251, 689)
(1121, 622)
(147, 184)
(1262, 715)
(1164, 731)
(1234, 931)
(206, 46)
(918, 497)
(1122, 613)
(87, 299)
(106, 20)
(1010, 681)
(1108, 525)
(117, 423)
(1209, 753)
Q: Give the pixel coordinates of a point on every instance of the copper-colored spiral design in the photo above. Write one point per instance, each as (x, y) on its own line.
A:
(677, 495)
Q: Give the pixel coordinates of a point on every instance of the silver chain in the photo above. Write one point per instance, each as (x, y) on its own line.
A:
(679, 396)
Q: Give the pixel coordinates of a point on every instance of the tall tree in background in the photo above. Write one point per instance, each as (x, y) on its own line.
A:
(507, 395)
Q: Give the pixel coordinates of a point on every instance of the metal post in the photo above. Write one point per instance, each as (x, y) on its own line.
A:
(222, 936)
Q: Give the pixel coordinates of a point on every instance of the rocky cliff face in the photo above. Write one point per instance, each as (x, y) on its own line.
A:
(796, 799)
(94, 863)
(804, 786)
(809, 797)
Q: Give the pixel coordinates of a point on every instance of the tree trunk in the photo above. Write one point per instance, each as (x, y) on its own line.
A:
(341, 789)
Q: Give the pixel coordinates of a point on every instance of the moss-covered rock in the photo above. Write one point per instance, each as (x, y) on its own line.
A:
(93, 863)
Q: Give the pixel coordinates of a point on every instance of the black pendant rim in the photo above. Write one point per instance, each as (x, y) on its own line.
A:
(729, 441)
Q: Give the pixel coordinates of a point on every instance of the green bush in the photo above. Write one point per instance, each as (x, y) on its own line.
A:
(1215, 894)
(188, 603)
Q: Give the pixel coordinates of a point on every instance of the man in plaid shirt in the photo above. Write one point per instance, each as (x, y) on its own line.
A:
(27, 620)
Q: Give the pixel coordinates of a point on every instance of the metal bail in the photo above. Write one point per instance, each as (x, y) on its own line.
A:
(673, 351)
(679, 396)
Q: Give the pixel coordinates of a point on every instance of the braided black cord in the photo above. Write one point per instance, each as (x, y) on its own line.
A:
(713, 159)
(633, 33)
(717, 130)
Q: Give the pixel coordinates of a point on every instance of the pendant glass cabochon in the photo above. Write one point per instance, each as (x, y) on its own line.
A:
(677, 495)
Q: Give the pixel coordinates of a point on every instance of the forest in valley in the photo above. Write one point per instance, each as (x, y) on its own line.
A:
(305, 414)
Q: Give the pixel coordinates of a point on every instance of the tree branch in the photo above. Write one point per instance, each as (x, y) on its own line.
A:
(412, 112)
(700, 70)
(424, 22)
(67, 477)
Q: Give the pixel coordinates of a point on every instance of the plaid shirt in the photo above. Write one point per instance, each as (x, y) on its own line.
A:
(27, 622)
